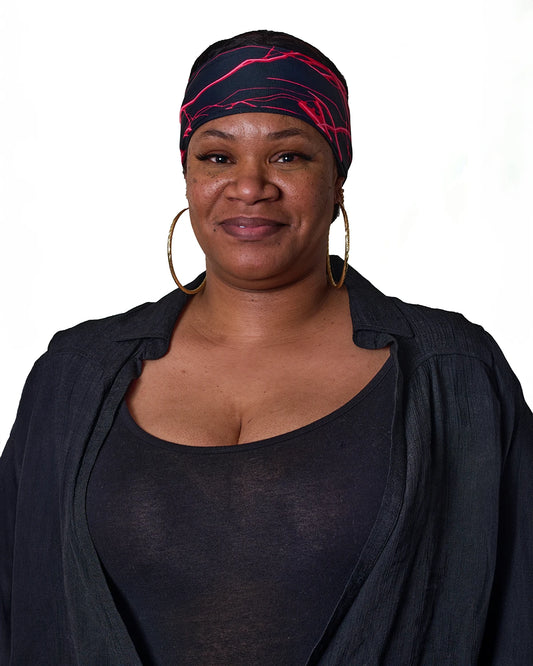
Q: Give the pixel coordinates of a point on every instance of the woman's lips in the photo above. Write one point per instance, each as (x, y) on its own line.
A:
(251, 228)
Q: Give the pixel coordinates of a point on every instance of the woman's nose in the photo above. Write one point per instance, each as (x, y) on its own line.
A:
(251, 183)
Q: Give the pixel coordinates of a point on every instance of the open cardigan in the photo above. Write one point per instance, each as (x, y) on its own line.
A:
(446, 576)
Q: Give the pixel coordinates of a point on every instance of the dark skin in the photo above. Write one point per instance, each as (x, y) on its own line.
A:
(267, 346)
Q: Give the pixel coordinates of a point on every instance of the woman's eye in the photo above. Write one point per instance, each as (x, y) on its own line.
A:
(216, 158)
(287, 158)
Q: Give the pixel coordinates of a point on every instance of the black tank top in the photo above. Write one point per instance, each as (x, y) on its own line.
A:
(238, 555)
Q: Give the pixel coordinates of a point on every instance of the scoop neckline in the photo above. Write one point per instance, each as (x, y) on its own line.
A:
(128, 420)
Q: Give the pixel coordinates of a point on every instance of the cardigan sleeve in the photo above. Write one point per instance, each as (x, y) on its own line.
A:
(11, 462)
(509, 629)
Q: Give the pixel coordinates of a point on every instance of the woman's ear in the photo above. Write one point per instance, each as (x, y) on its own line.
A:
(339, 192)
(339, 197)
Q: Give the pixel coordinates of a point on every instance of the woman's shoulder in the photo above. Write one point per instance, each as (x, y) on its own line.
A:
(446, 341)
(96, 336)
(445, 331)
(423, 329)
(429, 340)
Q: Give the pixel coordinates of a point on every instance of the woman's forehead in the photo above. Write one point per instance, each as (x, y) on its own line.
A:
(268, 126)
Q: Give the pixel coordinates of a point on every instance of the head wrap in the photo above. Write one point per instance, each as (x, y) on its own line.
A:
(269, 80)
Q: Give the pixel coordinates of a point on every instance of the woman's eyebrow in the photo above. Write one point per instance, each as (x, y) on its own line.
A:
(218, 133)
(281, 134)
(286, 133)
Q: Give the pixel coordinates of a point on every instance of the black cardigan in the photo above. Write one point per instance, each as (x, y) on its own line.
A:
(446, 576)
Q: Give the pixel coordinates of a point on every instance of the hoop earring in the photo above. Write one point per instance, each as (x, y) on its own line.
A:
(339, 284)
(169, 255)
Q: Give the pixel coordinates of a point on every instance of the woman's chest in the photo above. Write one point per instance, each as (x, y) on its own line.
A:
(233, 397)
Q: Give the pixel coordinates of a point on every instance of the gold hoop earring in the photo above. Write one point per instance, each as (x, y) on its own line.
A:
(169, 255)
(339, 284)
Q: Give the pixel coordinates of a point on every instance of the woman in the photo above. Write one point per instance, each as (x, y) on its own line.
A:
(276, 464)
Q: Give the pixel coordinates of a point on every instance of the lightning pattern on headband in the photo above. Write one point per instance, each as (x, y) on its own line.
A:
(272, 80)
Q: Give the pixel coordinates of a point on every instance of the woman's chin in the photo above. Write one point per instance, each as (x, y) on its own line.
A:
(260, 274)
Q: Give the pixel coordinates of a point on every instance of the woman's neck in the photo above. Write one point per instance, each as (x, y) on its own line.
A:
(229, 315)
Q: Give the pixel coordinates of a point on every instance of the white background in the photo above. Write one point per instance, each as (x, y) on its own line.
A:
(439, 194)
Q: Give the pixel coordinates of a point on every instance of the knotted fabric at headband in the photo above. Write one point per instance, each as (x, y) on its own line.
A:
(269, 80)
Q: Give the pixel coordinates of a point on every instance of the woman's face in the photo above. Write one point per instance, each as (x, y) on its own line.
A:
(261, 190)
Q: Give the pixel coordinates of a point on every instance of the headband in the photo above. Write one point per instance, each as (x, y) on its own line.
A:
(269, 80)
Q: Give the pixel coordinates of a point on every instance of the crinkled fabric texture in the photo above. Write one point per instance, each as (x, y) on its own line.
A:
(445, 576)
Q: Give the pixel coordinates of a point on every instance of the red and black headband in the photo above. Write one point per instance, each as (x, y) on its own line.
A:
(264, 79)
